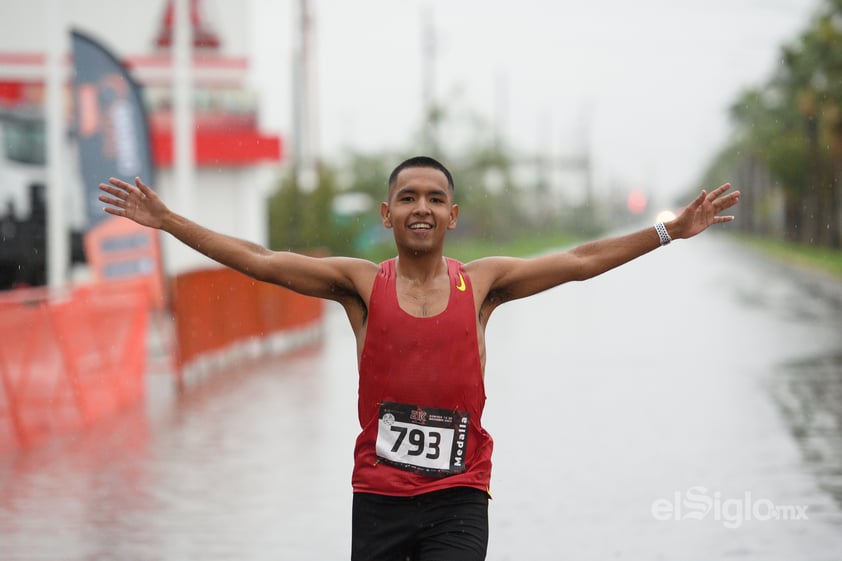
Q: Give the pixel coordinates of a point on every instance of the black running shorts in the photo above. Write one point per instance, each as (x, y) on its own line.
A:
(448, 525)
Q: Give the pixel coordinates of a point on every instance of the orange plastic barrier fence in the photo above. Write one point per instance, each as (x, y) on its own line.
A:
(217, 308)
(69, 360)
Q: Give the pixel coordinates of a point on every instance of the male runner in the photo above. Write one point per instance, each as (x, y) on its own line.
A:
(422, 460)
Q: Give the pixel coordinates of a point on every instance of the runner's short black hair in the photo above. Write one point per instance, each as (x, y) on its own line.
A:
(420, 162)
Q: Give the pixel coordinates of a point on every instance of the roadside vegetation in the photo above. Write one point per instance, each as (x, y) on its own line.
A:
(820, 259)
(502, 212)
(785, 154)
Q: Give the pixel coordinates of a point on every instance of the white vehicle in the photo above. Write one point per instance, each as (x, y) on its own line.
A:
(23, 199)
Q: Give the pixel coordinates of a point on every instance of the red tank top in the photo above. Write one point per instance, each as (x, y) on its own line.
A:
(421, 395)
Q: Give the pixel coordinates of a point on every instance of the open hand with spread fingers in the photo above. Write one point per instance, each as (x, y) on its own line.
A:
(137, 202)
(704, 211)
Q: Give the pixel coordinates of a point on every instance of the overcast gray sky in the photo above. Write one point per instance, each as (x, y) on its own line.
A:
(644, 84)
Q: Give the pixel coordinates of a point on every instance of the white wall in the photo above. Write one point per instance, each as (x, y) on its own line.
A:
(227, 200)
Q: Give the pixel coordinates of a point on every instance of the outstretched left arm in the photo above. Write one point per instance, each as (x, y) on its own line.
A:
(508, 278)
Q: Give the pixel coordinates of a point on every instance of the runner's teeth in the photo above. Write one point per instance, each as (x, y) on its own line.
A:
(421, 227)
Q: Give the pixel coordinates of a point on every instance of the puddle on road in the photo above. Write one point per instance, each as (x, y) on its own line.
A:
(809, 393)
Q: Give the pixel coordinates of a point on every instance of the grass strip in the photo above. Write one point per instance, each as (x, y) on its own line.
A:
(821, 259)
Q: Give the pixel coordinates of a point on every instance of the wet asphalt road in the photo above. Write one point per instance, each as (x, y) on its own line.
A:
(667, 410)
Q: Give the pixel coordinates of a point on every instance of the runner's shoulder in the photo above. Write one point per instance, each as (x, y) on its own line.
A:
(490, 269)
(359, 273)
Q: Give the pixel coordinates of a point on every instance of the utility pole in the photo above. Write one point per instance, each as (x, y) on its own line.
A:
(305, 122)
(586, 163)
(501, 109)
(428, 89)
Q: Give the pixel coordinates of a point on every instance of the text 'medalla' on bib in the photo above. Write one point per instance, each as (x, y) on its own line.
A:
(423, 440)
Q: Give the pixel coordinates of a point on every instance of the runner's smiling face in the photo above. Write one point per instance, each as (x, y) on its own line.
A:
(420, 209)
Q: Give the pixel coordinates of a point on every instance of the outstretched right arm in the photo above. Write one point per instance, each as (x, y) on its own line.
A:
(335, 278)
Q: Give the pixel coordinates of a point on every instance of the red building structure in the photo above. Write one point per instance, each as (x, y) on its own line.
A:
(233, 157)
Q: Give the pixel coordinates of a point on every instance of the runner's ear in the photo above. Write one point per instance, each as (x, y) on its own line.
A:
(385, 215)
(454, 214)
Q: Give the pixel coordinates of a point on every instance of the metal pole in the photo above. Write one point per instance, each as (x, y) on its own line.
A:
(428, 81)
(307, 172)
(57, 233)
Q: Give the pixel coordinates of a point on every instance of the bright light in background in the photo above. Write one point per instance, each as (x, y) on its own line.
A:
(636, 202)
(665, 216)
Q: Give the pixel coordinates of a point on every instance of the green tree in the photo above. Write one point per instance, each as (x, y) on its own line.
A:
(791, 129)
(307, 222)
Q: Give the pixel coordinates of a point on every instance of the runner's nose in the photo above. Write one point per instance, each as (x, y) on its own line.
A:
(422, 207)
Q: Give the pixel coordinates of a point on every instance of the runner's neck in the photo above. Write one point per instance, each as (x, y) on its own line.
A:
(420, 269)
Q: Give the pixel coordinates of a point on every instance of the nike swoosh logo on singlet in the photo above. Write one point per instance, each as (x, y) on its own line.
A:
(461, 286)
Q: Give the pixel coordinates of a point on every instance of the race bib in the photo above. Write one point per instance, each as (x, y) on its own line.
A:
(421, 439)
